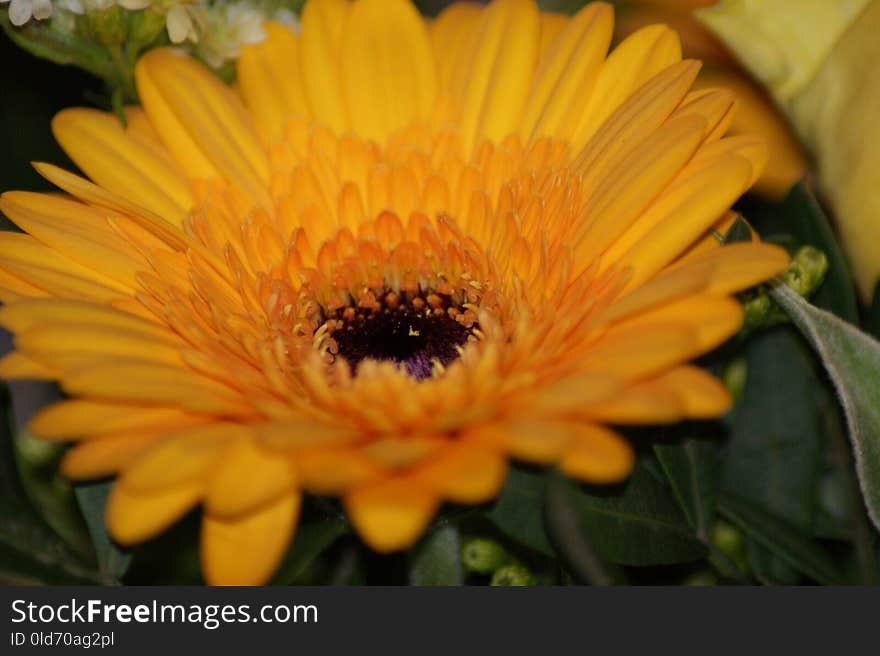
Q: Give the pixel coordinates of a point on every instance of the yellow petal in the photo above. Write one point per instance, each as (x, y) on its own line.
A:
(127, 381)
(189, 105)
(710, 319)
(389, 77)
(107, 455)
(449, 34)
(33, 313)
(75, 230)
(735, 266)
(13, 288)
(634, 351)
(567, 71)
(466, 474)
(719, 271)
(333, 471)
(628, 188)
(270, 91)
(133, 518)
(552, 24)
(390, 514)
(683, 214)
(25, 257)
(248, 549)
(538, 441)
(99, 197)
(571, 393)
(639, 405)
(500, 72)
(639, 57)
(72, 346)
(717, 106)
(634, 120)
(99, 145)
(322, 25)
(597, 455)
(18, 366)
(78, 417)
(181, 458)
(702, 395)
(186, 151)
(401, 453)
(684, 392)
(248, 477)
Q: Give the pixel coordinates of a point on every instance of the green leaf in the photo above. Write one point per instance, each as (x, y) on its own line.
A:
(50, 493)
(517, 512)
(563, 520)
(639, 525)
(873, 320)
(852, 359)
(774, 455)
(692, 470)
(170, 558)
(809, 225)
(30, 551)
(311, 540)
(436, 560)
(57, 46)
(113, 562)
(783, 539)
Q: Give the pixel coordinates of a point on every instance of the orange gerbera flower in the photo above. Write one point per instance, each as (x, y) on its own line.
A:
(398, 254)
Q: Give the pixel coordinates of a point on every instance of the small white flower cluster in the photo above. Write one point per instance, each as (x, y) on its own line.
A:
(21, 11)
(227, 28)
(215, 30)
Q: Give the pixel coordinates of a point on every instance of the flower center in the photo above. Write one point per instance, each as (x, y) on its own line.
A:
(422, 333)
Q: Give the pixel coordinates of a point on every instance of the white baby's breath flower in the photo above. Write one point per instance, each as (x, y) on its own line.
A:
(97, 5)
(286, 17)
(228, 27)
(21, 11)
(80, 6)
(184, 22)
(72, 6)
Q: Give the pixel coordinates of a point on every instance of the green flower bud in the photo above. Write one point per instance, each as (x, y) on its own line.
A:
(701, 579)
(806, 271)
(757, 310)
(729, 541)
(512, 575)
(482, 556)
(734, 377)
(38, 453)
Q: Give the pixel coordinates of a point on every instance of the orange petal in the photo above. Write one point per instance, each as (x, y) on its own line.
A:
(133, 518)
(106, 455)
(333, 471)
(247, 477)
(248, 549)
(465, 473)
(183, 457)
(389, 76)
(597, 455)
(391, 514)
